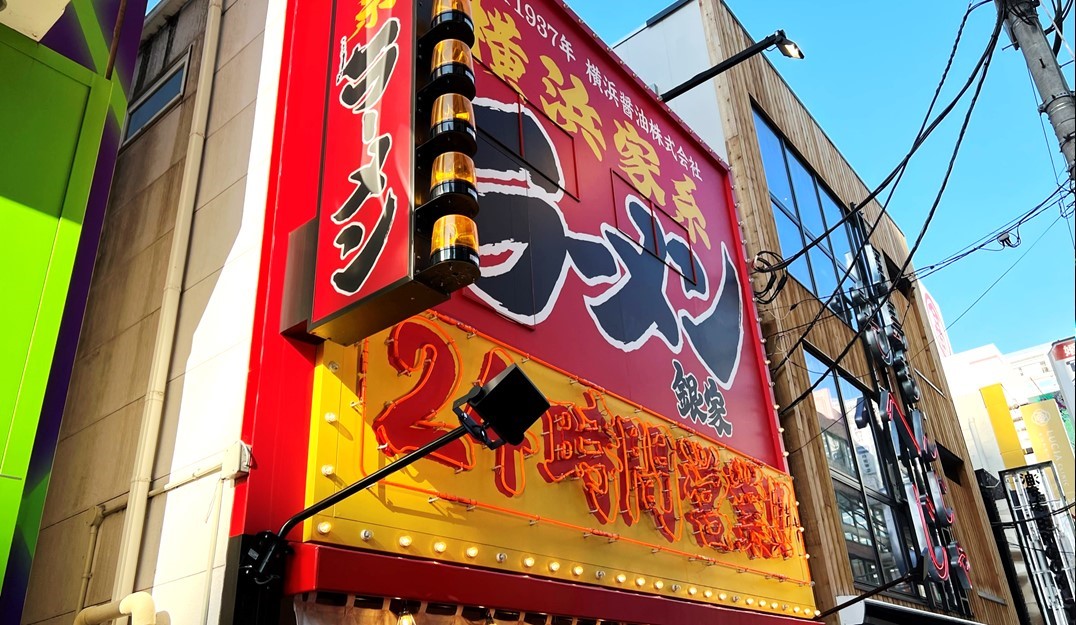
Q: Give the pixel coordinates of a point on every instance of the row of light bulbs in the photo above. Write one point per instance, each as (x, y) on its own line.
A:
(405, 541)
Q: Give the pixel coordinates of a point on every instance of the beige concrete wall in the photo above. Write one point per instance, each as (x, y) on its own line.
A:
(204, 399)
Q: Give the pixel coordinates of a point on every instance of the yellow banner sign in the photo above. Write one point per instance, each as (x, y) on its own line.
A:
(997, 406)
(602, 491)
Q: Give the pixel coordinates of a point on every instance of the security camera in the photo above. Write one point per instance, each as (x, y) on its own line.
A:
(1009, 238)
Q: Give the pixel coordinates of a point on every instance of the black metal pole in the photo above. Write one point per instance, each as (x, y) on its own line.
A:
(732, 61)
(866, 595)
(372, 479)
(269, 559)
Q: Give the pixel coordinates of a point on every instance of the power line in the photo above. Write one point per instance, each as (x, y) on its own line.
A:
(929, 270)
(920, 139)
(987, 239)
(926, 224)
(981, 64)
(992, 285)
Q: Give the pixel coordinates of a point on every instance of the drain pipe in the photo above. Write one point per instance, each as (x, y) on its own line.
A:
(139, 606)
(153, 406)
(100, 512)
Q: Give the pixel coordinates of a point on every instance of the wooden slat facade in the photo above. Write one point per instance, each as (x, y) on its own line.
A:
(756, 84)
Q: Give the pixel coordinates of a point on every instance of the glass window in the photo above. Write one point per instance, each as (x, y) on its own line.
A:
(857, 534)
(808, 210)
(806, 197)
(152, 105)
(825, 276)
(831, 419)
(840, 244)
(874, 529)
(870, 463)
(887, 538)
(773, 161)
(791, 242)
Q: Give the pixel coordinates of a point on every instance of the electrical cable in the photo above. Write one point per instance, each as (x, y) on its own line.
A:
(822, 376)
(926, 225)
(923, 272)
(1030, 519)
(936, 266)
(987, 239)
(838, 291)
(989, 288)
(925, 132)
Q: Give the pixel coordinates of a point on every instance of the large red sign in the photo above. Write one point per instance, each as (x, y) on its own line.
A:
(610, 246)
(365, 197)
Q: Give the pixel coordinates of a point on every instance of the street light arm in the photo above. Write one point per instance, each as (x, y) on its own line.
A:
(268, 557)
(728, 63)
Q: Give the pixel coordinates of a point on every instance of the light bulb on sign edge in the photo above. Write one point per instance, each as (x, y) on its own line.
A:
(453, 172)
(452, 113)
(528, 562)
(405, 618)
(405, 541)
(440, 546)
(455, 238)
(454, 18)
(452, 57)
(471, 552)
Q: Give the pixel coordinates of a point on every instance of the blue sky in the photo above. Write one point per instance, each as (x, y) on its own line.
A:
(869, 74)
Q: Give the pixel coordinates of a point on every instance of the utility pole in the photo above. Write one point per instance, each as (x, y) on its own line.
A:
(1022, 20)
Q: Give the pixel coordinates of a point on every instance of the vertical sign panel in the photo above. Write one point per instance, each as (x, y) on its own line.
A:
(364, 205)
(1048, 439)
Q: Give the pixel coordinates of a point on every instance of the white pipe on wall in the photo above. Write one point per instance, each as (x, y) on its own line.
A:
(139, 606)
(153, 406)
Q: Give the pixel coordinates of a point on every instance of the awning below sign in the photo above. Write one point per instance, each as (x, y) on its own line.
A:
(873, 612)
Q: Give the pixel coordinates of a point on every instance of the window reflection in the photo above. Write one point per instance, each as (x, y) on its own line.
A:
(886, 532)
(870, 464)
(808, 210)
(788, 233)
(773, 161)
(806, 197)
(831, 419)
(857, 534)
(870, 521)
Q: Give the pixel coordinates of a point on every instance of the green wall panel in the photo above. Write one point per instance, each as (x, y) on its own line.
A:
(51, 120)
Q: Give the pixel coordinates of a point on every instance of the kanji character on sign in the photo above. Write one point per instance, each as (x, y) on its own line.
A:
(367, 14)
(579, 443)
(566, 47)
(688, 214)
(570, 106)
(704, 488)
(498, 31)
(594, 74)
(647, 478)
(639, 161)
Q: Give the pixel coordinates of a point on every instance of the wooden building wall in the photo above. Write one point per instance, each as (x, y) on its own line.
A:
(755, 83)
